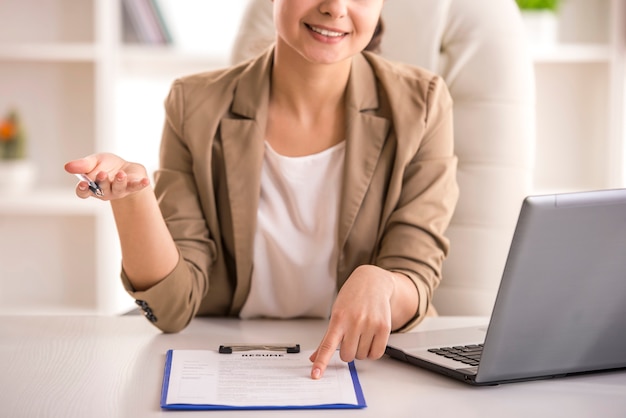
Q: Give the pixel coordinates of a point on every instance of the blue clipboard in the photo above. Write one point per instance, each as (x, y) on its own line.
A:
(178, 406)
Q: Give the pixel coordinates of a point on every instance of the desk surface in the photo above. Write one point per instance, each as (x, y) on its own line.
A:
(113, 367)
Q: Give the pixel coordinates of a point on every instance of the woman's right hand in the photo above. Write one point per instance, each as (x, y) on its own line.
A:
(116, 177)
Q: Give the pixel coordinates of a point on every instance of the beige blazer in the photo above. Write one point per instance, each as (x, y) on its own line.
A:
(399, 185)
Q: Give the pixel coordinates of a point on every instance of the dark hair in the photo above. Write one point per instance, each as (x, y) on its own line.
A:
(377, 37)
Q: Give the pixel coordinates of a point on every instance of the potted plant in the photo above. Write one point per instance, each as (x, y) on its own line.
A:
(552, 5)
(541, 20)
(16, 171)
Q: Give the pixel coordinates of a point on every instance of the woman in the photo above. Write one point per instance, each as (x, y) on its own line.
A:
(312, 168)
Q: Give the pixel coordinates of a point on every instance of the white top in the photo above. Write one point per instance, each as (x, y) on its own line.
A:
(295, 245)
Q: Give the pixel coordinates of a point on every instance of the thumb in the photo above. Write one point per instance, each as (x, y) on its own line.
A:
(83, 165)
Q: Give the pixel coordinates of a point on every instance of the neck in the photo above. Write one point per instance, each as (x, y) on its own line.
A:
(307, 87)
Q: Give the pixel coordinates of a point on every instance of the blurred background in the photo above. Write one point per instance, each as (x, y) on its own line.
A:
(82, 76)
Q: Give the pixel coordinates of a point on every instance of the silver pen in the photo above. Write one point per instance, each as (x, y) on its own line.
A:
(93, 186)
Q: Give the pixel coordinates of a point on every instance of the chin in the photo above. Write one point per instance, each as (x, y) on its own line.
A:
(325, 57)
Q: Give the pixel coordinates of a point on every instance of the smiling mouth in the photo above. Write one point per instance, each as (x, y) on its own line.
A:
(326, 32)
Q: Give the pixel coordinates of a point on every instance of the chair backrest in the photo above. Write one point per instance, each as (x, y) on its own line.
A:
(479, 47)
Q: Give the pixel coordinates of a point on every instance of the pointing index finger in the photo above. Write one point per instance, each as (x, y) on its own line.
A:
(324, 353)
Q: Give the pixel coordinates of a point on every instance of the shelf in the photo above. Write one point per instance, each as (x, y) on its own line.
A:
(49, 202)
(167, 61)
(55, 52)
(572, 53)
(64, 309)
(167, 54)
(48, 310)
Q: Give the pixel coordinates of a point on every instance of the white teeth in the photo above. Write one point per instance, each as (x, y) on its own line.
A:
(326, 32)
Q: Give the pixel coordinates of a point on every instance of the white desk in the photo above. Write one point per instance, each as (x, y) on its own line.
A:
(90, 367)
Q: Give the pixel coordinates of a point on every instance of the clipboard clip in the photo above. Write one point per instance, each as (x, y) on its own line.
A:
(229, 349)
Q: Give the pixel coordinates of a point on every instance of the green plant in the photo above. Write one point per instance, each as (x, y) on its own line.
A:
(538, 4)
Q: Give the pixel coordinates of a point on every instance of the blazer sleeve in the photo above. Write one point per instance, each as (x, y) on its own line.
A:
(175, 300)
(414, 241)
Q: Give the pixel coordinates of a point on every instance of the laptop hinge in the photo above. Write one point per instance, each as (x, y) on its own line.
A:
(469, 371)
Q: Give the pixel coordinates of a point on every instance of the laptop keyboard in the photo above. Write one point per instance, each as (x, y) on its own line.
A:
(468, 354)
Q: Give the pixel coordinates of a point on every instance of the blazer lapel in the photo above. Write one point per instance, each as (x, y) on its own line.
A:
(243, 135)
(365, 137)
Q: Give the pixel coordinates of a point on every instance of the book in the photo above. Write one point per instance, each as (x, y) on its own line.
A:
(143, 22)
(256, 379)
(161, 21)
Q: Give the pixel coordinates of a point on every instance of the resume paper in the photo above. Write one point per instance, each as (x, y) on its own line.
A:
(259, 379)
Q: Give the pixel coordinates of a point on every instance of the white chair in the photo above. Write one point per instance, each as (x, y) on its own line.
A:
(479, 47)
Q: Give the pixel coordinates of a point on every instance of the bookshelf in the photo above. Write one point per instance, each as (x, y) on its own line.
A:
(80, 89)
(580, 99)
(54, 254)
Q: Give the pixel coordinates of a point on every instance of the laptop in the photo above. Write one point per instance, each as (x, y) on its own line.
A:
(561, 304)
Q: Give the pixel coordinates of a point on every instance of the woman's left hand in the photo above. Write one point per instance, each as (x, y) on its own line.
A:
(361, 318)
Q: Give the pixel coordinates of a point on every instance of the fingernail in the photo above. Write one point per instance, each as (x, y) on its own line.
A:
(316, 373)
